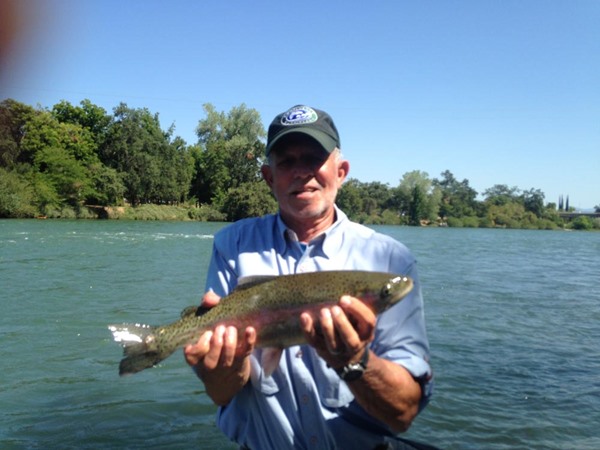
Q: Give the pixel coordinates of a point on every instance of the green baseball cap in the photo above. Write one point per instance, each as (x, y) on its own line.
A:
(305, 120)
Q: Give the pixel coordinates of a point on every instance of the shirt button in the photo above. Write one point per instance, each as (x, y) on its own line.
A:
(313, 440)
(304, 399)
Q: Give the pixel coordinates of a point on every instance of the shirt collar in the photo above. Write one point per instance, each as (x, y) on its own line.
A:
(328, 241)
(334, 235)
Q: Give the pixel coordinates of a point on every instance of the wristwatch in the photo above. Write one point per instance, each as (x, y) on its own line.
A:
(354, 371)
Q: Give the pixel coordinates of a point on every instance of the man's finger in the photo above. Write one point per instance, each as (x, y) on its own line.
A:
(348, 335)
(212, 358)
(229, 346)
(194, 353)
(330, 332)
(307, 325)
(360, 316)
(246, 346)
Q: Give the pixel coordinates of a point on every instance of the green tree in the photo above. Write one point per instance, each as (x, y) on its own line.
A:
(501, 194)
(17, 196)
(251, 199)
(43, 130)
(349, 198)
(582, 223)
(377, 197)
(508, 215)
(231, 148)
(533, 201)
(212, 179)
(371, 202)
(108, 186)
(14, 117)
(184, 168)
(61, 154)
(417, 206)
(154, 168)
(69, 177)
(416, 198)
(458, 199)
(89, 116)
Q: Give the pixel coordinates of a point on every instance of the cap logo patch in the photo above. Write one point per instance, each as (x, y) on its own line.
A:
(299, 115)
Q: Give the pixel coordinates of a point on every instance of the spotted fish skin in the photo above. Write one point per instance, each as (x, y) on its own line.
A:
(270, 304)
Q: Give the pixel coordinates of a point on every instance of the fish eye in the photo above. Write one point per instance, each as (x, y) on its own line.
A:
(386, 290)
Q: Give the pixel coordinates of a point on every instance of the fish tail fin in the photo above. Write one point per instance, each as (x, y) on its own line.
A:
(140, 349)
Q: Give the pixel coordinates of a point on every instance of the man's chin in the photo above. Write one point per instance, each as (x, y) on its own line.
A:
(308, 210)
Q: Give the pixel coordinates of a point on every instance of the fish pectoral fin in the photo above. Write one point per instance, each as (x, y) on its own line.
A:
(269, 359)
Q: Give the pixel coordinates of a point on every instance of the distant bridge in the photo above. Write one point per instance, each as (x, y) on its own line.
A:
(574, 215)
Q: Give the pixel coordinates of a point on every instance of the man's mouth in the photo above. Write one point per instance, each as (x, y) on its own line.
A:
(303, 191)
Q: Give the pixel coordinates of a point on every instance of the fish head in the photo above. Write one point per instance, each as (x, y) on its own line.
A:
(394, 290)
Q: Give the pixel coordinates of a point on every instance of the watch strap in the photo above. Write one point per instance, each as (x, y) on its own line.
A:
(354, 371)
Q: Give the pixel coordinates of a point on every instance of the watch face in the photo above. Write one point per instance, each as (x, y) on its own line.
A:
(352, 372)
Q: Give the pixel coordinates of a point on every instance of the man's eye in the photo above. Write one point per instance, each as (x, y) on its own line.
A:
(315, 162)
(284, 164)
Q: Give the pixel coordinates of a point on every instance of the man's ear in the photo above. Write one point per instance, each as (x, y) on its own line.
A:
(343, 170)
(267, 174)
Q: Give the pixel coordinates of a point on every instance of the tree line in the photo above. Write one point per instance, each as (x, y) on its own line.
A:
(58, 162)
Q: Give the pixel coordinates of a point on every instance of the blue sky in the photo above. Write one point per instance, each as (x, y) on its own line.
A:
(497, 92)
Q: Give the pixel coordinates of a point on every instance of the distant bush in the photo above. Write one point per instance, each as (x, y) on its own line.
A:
(471, 222)
(582, 223)
(390, 217)
(155, 212)
(16, 196)
(251, 199)
(206, 213)
(455, 222)
(59, 213)
(485, 222)
(546, 224)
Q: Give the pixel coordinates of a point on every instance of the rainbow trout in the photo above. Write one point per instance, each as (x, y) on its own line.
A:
(270, 304)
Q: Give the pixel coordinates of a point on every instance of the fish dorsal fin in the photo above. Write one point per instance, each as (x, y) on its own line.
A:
(253, 280)
(194, 311)
(189, 311)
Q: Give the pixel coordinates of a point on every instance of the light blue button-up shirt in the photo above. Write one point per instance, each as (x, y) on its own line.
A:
(304, 404)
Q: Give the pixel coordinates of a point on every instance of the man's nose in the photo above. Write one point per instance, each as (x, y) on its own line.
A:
(302, 169)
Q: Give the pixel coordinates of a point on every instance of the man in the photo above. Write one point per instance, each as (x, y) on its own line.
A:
(361, 379)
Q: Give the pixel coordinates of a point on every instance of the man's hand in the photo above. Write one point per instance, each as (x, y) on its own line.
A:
(341, 333)
(220, 357)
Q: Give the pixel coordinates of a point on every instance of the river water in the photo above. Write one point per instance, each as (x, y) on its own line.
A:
(513, 319)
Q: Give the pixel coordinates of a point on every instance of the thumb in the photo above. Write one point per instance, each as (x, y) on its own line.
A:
(210, 299)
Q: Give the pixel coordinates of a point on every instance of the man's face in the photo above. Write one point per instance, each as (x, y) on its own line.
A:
(305, 179)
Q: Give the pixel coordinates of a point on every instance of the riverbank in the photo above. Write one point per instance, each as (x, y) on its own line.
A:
(203, 213)
(206, 213)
